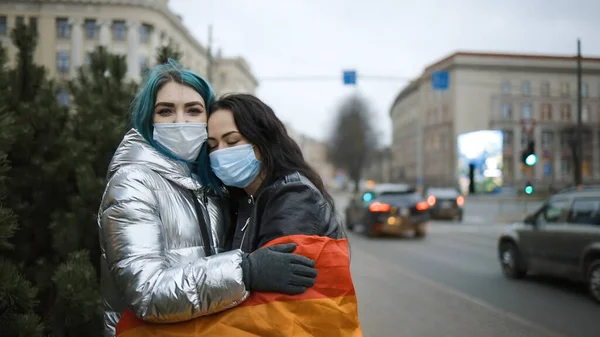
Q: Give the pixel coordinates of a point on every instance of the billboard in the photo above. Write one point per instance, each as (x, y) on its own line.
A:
(481, 153)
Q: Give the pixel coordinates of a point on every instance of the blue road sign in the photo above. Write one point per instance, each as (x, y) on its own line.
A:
(349, 77)
(440, 80)
(548, 169)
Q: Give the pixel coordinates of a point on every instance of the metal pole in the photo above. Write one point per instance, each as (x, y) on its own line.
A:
(579, 119)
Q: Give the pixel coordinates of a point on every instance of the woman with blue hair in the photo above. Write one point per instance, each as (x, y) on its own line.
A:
(162, 235)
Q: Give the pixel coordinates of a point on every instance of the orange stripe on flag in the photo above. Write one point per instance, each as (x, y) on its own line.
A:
(329, 308)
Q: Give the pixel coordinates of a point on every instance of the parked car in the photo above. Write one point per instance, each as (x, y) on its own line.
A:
(562, 238)
(445, 203)
(388, 209)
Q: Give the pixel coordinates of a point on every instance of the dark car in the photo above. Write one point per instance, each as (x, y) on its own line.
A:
(388, 209)
(445, 203)
(562, 238)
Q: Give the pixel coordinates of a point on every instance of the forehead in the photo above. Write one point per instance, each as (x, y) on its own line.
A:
(175, 92)
(221, 121)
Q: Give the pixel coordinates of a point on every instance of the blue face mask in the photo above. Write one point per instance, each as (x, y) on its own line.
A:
(236, 166)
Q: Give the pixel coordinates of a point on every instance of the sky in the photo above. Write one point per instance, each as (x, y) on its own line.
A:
(310, 42)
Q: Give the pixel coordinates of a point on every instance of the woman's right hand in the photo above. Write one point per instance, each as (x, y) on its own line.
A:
(276, 269)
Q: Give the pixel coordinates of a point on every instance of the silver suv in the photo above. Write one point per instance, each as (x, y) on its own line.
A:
(562, 238)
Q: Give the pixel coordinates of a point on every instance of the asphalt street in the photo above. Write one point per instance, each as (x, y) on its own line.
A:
(450, 284)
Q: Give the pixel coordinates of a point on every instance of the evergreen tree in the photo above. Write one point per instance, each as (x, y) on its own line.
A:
(17, 295)
(38, 181)
(166, 52)
(101, 99)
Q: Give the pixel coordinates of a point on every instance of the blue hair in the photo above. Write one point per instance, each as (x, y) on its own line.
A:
(143, 114)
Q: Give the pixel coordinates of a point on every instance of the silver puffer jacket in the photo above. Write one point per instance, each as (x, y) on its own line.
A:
(153, 257)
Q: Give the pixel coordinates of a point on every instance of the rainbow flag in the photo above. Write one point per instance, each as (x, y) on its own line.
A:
(329, 309)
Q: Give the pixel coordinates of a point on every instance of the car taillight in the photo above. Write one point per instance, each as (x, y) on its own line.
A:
(422, 206)
(379, 207)
(460, 200)
(431, 200)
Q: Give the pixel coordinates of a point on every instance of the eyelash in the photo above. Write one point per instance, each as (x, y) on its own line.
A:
(192, 111)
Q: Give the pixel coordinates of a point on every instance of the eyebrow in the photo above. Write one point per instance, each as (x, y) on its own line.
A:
(186, 104)
(224, 135)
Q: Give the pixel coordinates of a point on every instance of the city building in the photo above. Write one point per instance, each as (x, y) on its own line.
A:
(315, 154)
(506, 92)
(379, 167)
(70, 29)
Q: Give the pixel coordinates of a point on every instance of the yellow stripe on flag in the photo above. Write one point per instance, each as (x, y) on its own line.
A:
(329, 309)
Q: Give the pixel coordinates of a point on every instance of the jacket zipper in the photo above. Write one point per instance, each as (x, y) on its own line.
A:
(250, 200)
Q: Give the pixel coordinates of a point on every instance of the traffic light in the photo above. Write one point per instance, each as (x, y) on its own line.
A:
(528, 188)
(529, 157)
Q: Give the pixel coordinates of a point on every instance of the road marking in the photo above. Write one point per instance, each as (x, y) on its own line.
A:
(444, 288)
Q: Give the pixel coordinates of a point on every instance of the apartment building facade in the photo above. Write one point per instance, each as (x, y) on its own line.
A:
(69, 30)
(315, 154)
(504, 92)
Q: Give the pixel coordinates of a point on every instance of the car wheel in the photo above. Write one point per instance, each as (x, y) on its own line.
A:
(511, 261)
(593, 280)
(420, 233)
(458, 218)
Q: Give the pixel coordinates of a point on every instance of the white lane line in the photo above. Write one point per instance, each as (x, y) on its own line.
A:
(439, 286)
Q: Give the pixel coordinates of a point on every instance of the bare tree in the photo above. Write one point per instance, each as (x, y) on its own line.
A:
(353, 138)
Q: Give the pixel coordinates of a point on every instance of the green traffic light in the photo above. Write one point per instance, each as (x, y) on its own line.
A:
(528, 189)
(531, 160)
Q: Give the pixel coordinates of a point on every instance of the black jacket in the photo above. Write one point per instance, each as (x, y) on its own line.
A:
(292, 205)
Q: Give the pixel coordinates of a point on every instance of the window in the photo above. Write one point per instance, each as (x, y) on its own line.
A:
(565, 166)
(63, 61)
(526, 88)
(524, 139)
(145, 33)
(585, 211)
(33, 22)
(564, 140)
(565, 112)
(545, 89)
(144, 65)
(63, 97)
(119, 30)
(585, 113)
(62, 28)
(506, 111)
(553, 212)
(507, 137)
(91, 29)
(88, 60)
(546, 111)
(505, 87)
(3, 28)
(20, 20)
(585, 90)
(565, 90)
(526, 112)
(546, 139)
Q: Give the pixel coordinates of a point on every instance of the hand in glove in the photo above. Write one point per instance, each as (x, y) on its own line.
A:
(276, 269)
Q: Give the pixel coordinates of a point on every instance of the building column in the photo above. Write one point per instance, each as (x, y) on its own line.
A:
(538, 171)
(76, 45)
(133, 61)
(155, 43)
(518, 174)
(104, 34)
(595, 155)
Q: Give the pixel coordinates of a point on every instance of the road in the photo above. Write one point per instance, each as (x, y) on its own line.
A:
(450, 284)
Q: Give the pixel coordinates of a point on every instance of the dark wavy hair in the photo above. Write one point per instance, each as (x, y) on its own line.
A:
(257, 122)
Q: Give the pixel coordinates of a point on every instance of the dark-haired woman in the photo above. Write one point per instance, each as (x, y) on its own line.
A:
(276, 192)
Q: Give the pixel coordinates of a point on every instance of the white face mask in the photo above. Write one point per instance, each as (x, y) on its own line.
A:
(184, 140)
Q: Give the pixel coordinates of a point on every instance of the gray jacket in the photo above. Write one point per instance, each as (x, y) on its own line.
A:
(154, 256)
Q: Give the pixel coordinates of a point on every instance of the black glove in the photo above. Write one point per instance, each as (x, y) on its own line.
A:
(276, 269)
